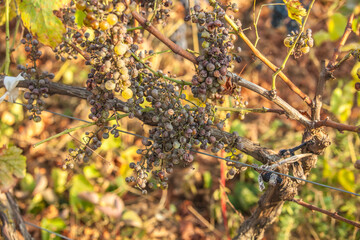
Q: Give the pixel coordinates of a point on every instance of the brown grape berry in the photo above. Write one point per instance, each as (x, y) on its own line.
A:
(357, 86)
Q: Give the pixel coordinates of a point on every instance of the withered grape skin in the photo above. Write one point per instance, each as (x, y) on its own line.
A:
(178, 127)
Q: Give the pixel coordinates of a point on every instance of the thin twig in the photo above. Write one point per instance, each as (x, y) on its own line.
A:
(47, 230)
(7, 37)
(204, 221)
(231, 205)
(173, 46)
(330, 214)
(291, 50)
(17, 216)
(342, 42)
(267, 62)
(288, 160)
(339, 126)
(158, 74)
(252, 110)
(319, 92)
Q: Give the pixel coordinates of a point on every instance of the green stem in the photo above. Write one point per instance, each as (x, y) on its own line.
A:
(17, 24)
(192, 51)
(292, 47)
(134, 28)
(181, 82)
(76, 128)
(258, 16)
(155, 11)
(7, 38)
(253, 110)
(156, 53)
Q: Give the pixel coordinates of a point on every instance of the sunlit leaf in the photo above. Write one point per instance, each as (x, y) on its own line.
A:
(79, 184)
(295, 10)
(27, 184)
(207, 179)
(59, 178)
(347, 179)
(12, 166)
(131, 218)
(38, 17)
(55, 225)
(341, 101)
(91, 172)
(336, 26)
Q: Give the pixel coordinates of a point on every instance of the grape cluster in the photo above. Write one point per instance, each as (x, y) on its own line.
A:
(109, 55)
(117, 71)
(211, 79)
(159, 9)
(38, 88)
(179, 129)
(302, 46)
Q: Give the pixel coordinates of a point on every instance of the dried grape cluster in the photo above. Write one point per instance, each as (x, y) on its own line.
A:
(118, 69)
(159, 10)
(303, 45)
(38, 89)
(180, 129)
(211, 79)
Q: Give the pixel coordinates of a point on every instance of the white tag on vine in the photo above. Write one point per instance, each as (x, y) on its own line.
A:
(12, 91)
(261, 183)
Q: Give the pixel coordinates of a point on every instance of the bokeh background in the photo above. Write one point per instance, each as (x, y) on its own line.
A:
(79, 203)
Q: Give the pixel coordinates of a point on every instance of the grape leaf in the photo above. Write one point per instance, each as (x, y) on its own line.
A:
(38, 17)
(295, 10)
(12, 165)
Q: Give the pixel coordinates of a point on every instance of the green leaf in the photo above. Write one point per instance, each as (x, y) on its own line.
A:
(38, 17)
(59, 178)
(55, 225)
(347, 179)
(295, 10)
(341, 101)
(79, 18)
(238, 126)
(207, 179)
(80, 184)
(27, 184)
(244, 196)
(131, 218)
(12, 166)
(91, 172)
(336, 26)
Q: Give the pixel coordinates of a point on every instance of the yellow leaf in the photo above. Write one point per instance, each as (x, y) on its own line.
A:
(39, 19)
(12, 166)
(295, 10)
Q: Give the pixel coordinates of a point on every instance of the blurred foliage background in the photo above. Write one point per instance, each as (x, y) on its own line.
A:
(93, 201)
